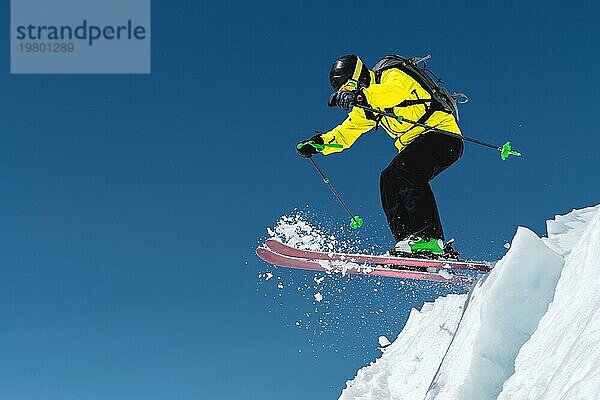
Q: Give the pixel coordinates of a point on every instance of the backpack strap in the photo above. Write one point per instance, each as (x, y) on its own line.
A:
(378, 76)
(433, 107)
(405, 65)
(410, 102)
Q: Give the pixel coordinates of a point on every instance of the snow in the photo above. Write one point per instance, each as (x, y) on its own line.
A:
(383, 341)
(445, 274)
(530, 328)
(295, 231)
(503, 313)
(561, 360)
(416, 352)
(565, 230)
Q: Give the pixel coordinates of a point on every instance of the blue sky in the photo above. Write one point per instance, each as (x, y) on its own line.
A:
(131, 205)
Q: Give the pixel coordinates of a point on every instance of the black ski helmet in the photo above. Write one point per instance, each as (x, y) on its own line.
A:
(346, 68)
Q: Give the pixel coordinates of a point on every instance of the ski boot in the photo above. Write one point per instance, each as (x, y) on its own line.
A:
(416, 247)
(449, 252)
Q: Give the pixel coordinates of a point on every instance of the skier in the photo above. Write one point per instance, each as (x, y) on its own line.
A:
(406, 196)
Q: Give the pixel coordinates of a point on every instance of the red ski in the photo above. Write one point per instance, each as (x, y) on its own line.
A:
(343, 266)
(283, 249)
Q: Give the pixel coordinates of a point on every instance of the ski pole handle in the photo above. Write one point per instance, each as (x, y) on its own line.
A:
(319, 147)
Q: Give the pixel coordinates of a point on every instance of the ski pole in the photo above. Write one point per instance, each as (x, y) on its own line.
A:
(355, 221)
(505, 150)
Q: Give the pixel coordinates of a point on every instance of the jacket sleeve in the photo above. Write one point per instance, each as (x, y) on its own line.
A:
(348, 131)
(394, 88)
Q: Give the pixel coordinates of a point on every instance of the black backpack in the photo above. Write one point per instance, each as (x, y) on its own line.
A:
(440, 99)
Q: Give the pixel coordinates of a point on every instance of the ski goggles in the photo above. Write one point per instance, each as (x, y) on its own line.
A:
(349, 86)
(352, 83)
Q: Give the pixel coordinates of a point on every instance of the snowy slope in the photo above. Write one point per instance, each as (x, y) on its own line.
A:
(562, 358)
(509, 321)
(416, 352)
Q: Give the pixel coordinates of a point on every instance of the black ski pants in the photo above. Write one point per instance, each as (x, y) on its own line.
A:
(406, 196)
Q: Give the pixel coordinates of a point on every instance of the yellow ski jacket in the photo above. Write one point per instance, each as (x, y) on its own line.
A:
(395, 87)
